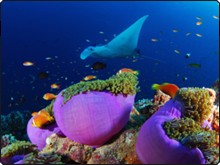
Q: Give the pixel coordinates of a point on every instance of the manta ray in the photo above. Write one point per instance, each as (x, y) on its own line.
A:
(123, 45)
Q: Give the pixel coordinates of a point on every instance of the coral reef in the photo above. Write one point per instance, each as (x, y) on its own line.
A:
(120, 149)
(16, 149)
(41, 158)
(193, 142)
(15, 123)
(106, 112)
(7, 139)
(145, 108)
(68, 148)
(160, 98)
(215, 86)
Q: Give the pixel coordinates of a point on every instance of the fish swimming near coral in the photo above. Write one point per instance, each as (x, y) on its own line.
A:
(123, 70)
(123, 45)
(49, 96)
(89, 77)
(55, 86)
(41, 118)
(167, 88)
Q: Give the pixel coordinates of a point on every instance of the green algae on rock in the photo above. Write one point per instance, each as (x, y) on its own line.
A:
(197, 102)
(42, 158)
(124, 83)
(18, 148)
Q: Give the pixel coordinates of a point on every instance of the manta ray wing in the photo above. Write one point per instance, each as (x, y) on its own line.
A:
(128, 39)
(122, 45)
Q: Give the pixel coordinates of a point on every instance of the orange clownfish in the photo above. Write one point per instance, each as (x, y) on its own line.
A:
(49, 96)
(123, 70)
(41, 118)
(89, 77)
(167, 88)
(55, 86)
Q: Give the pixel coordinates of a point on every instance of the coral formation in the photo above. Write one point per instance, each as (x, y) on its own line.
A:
(160, 98)
(146, 108)
(215, 86)
(7, 139)
(18, 148)
(68, 148)
(41, 158)
(15, 123)
(120, 149)
(193, 142)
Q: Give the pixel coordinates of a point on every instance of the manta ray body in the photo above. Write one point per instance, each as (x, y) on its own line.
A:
(123, 45)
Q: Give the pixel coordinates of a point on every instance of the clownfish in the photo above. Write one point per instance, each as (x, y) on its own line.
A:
(55, 86)
(167, 88)
(49, 96)
(123, 70)
(89, 77)
(41, 118)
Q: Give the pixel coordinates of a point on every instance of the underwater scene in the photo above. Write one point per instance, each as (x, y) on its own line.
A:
(89, 82)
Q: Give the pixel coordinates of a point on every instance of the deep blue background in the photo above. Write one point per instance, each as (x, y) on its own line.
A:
(32, 31)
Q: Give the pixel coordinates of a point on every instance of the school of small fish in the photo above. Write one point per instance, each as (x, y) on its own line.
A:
(46, 76)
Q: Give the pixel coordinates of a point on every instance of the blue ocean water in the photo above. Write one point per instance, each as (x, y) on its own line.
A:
(34, 31)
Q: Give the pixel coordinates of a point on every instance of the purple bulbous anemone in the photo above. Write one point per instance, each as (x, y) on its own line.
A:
(38, 135)
(155, 147)
(178, 132)
(92, 118)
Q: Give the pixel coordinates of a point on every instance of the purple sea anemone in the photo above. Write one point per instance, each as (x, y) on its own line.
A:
(38, 135)
(176, 132)
(155, 147)
(92, 118)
